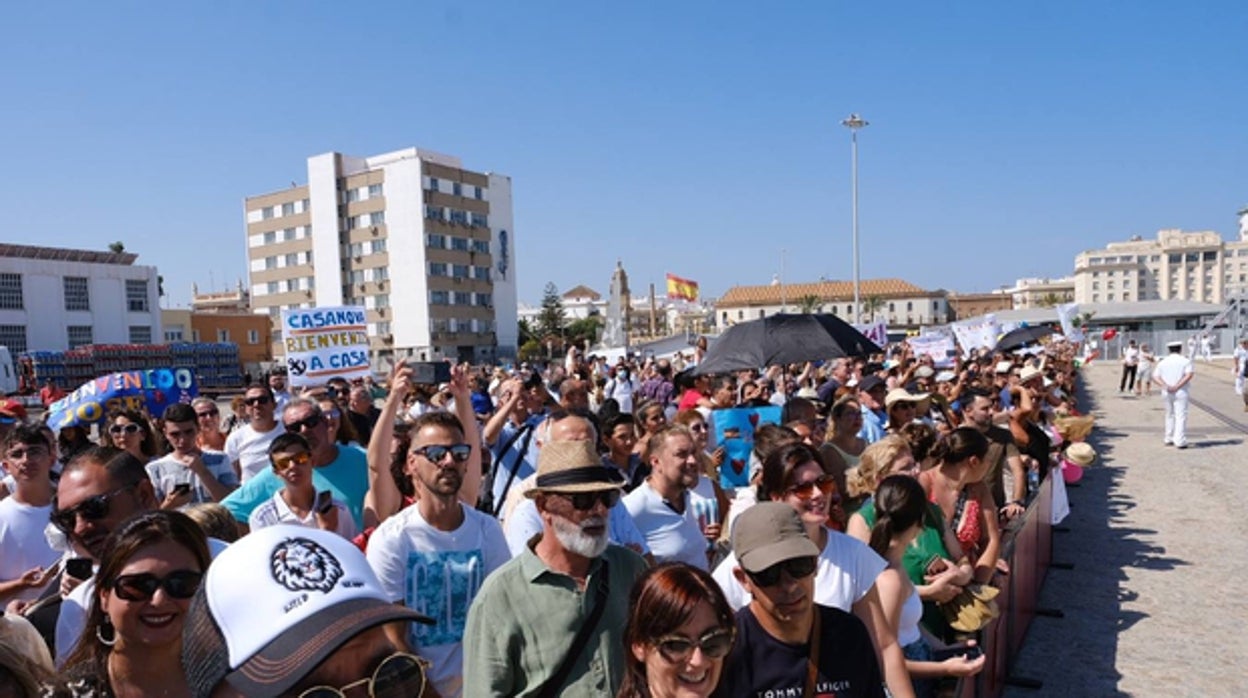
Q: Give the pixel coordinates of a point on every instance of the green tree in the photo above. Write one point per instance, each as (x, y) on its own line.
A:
(809, 304)
(585, 330)
(531, 350)
(870, 306)
(526, 332)
(117, 247)
(551, 321)
(1049, 300)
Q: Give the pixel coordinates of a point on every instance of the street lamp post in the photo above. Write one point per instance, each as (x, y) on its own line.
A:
(853, 123)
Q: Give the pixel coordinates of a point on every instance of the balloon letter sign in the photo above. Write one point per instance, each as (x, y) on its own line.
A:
(153, 389)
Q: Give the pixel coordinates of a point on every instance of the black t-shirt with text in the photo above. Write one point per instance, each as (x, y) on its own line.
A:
(761, 666)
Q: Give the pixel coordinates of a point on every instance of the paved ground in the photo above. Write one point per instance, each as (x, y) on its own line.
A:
(1156, 603)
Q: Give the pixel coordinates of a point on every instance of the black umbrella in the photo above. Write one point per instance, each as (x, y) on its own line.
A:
(1021, 337)
(784, 339)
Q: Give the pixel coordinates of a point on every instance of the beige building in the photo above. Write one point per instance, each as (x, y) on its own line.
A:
(900, 303)
(1041, 292)
(426, 246)
(1177, 265)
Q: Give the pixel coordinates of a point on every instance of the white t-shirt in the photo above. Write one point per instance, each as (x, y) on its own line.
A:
(1172, 369)
(277, 511)
(169, 472)
(846, 572)
(23, 546)
(672, 537)
(1131, 356)
(250, 449)
(437, 573)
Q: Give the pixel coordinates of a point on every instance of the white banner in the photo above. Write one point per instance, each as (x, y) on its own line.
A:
(939, 347)
(876, 332)
(937, 330)
(979, 334)
(1066, 315)
(324, 343)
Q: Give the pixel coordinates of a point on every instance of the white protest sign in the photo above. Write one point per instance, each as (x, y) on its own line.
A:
(876, 332)
(324, 343)
(1066, 314)
(977, 334)
(937, 346)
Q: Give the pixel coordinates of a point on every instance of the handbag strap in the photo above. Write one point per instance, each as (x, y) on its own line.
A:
(487, 494)
(554, 684)
(812, 660)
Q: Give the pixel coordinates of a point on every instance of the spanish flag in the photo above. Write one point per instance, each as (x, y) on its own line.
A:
(681, 288)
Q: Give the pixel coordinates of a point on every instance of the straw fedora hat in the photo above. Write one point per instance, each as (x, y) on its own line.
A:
(922, 401)
(1081, 454)
(572, 466)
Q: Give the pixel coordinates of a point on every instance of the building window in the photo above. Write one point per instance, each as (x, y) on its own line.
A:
(353, 222)
(223, 335)
(436, 241)
(79, 335)
(381, 300)
(288, 234)
(462, 298)
(381, 273)
(270, 262)
(174, 335)
(374, 190)
(136, 296)
(459, 271)
(459, 244)
(740, 314)
(140, 334)
(478, 194)
(377, 246)
(434, 213)
(484, 300)
(909, 306)
(437, 269)
(481, 246)
(11, 292)
(13, 337)
(292, 260)
(481, 273)
(253, 336)
(457, 189)
(377, 218)
(77, 296)
(353, 195)
(439, 298)
(266, 213)
(479, 220)
(433, 184)
(288, 209)
(270, 237)
(458, 216)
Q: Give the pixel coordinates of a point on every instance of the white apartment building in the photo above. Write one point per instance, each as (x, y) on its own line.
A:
(900, 303)
(53, 299)
(1035, 292)
(1178, 265)
(426, 246)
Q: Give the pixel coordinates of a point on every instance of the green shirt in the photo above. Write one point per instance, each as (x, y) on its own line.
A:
(522, 622)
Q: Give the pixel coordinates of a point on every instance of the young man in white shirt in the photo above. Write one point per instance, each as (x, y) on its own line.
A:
(189, 475)
(662, 506)
(433, 556)
(248, 447)
(25, 555)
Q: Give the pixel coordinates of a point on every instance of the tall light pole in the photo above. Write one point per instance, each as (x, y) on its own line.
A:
(853, 123)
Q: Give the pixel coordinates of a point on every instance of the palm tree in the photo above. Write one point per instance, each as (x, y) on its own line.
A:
(809, 304)
(870, 306)
(1049, 300)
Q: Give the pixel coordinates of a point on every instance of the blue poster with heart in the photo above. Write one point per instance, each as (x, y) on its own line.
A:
(734, 432)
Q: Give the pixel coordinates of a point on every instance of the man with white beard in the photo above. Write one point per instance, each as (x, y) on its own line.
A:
(551, 621)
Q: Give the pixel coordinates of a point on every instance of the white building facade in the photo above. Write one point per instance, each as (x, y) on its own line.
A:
(899, 303)
(53, 299)
(427, 247)
(1177, 265)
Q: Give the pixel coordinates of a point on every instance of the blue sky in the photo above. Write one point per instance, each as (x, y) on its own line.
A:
(700, 138)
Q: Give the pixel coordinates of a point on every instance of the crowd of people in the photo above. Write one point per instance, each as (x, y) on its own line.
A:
(545, 530)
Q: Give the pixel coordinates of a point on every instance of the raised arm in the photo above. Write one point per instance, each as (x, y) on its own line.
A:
(512, 390)
(462, 392)
(384, 498)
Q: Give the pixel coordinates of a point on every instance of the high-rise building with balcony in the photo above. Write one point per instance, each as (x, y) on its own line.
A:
(426, 246)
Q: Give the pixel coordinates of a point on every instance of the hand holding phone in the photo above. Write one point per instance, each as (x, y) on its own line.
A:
(324, 502)
(79, 568)
(182, 489)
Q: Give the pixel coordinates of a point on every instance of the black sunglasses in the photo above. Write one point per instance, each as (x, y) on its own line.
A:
(459, 452)
(258, 400)
(91, 509)
(141, 587)
(311, 422)
(207, 413)
(400, 674)
(714, 644)
(584, 501)
(797, 568)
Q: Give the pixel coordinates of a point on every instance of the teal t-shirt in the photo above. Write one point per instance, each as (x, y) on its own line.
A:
(346, 476)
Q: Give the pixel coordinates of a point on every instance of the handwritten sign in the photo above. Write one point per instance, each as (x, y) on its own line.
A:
(153, 389)
(324, 343)
(977, 334)
(939, 347)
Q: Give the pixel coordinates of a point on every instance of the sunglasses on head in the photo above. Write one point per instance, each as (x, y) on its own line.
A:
(824, 485)
(258, 400)
(584, 501)
(311, 422)
(435, 453)
(714, 644)
(398, 676)
(90, 509)
(141, 587)
(131, 428)
(797, 568)
(283, 462)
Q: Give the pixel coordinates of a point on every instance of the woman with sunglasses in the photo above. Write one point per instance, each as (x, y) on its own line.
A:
(845, 576)
(680, 628)
(901, 506)
(842, 447)
(150, 569)
(209, 437)
(298, 502)
(342, 430)
(131, 432)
